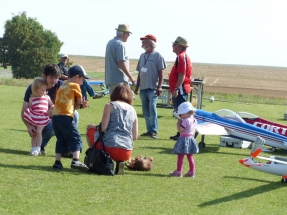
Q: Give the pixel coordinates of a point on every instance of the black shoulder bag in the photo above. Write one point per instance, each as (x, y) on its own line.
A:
(98, 160)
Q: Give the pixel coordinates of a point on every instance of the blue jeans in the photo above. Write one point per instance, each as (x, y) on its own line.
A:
(68, 136)
(48, 131)
(149, 100)
(86, 87)
(178, 100)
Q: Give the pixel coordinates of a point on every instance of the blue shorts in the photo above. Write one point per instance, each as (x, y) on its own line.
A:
(67, 134)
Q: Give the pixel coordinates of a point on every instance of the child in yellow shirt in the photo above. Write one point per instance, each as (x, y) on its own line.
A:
(68, 99)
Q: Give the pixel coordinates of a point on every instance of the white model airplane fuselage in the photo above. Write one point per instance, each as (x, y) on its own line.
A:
(276, 165)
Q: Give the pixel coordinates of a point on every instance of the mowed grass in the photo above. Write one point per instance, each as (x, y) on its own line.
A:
(221, 186)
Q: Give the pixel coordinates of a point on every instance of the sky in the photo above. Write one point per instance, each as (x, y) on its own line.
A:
(244, 32)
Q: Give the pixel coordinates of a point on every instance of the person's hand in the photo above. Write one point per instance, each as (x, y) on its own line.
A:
(50, 111)
(175, 93)
(31, 129)
(136, 90)
(84, 103)
(133, 81)
(91, 126)
(159, 91)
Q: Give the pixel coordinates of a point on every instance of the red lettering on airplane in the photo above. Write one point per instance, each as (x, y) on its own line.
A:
(272, 128)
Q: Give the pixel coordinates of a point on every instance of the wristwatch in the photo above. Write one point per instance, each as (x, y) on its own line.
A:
(176, 88)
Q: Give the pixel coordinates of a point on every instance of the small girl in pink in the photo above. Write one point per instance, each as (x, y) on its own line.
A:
(36, 113)
(186, 144)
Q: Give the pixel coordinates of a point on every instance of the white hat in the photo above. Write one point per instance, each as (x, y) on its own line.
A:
(185, 107)
(64, 55)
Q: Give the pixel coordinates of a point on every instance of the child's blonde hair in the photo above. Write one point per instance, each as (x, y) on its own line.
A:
(37, 83)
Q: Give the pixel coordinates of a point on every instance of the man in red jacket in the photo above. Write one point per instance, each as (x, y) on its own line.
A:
(180, 75)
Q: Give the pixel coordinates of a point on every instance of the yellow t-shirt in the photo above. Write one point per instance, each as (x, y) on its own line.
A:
(65, 99)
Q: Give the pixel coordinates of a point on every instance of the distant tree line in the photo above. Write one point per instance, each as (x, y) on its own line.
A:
(27, 47)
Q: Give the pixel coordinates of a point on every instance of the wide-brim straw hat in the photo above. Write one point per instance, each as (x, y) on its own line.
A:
(124, 28)
(181, 41)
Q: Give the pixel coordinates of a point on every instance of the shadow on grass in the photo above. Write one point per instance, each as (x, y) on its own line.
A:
(14, 151)
(21, 152)
(270, 186)
(42, 168)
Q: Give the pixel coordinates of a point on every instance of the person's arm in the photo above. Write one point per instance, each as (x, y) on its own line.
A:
(179, 82)
(123, 67)
(50, 105)
(63, 77)
(106, 116)
(135, 128)
(138, 84)
(81, 103)
(179, 128)
(160, 79)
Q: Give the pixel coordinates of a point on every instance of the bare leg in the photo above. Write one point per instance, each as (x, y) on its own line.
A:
(38, 135)
(76, 154)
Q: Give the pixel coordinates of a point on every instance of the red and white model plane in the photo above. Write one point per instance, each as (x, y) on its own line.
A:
(275, 165)
(264, 124)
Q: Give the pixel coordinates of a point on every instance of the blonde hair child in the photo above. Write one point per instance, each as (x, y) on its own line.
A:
(36, 113)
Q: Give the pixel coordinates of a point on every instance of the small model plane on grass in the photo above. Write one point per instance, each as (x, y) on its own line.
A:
(275, 165)
(227, 123)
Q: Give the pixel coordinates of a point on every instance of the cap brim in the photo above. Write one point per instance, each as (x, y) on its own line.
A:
(87, 77)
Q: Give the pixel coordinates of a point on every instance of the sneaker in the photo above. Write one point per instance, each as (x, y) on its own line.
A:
(175, 173)
(189, 174)
(43, 152)
(78, 165)
(175, 137)
(57, 166)
(153, 135)
(34, 152)
(98, 96)
(68, 154)
(121, 170)
(145, 134)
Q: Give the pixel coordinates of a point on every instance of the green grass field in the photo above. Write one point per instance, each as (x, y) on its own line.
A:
(28, 185)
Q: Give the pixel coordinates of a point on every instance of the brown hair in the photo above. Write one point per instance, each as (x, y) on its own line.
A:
(122, 92)
(37, 83)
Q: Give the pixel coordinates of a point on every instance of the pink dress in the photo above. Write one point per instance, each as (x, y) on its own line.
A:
(37, 113)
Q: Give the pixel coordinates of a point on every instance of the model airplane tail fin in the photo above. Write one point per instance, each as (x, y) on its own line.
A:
(258, 144)
(256, 153)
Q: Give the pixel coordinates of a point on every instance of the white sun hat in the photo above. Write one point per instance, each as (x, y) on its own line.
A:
(185, 107)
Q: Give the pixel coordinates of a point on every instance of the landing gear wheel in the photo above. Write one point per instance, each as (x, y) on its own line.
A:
(273, 149)
(284, 180)
(201, 145)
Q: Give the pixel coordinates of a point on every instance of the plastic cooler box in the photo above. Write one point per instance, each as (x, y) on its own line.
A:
(235, 143)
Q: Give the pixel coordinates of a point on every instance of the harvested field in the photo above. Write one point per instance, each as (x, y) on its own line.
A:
(240, 79)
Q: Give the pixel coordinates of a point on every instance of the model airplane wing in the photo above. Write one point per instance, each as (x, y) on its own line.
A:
(206, 128)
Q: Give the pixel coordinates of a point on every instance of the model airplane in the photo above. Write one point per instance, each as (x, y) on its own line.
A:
(263, 123)
(276, 165)
(227, 122)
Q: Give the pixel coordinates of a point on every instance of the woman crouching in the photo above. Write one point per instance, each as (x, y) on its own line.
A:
(120, 124)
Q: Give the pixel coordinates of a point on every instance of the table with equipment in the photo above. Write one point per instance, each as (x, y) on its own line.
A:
(197, 87)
